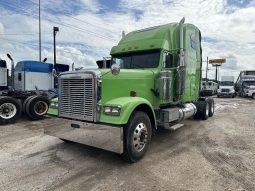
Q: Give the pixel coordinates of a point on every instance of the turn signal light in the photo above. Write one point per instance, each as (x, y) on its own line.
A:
(133, 93)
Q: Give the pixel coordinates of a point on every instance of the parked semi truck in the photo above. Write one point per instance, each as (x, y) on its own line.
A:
(226, 88)
(3, 75)
(27, 92)
(245, 84)
(154, 81)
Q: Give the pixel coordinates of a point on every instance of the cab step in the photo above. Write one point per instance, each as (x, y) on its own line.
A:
(174, 127)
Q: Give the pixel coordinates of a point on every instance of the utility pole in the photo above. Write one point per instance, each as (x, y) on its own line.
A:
(206, 68)
(40, 47)
(216, 73)
(55, 30)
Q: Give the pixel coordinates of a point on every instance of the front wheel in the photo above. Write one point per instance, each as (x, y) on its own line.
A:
(253, 96)
(137, 136)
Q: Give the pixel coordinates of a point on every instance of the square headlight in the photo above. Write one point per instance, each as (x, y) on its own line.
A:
(112, 110)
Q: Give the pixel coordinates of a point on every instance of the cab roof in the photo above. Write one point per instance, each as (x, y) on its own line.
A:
(149, 38)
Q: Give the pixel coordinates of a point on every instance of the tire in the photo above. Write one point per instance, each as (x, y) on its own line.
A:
(211, 107)
(203, 109)
(199, 106)
(25, 103)
(37, 107)
(10, 110)
(137, 137)
(253, 96)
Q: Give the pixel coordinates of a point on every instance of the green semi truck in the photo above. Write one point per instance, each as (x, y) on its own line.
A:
(154, 81)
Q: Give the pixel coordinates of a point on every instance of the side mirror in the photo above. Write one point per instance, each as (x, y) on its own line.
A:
(115, 69)
(168, 60)
(54, 72)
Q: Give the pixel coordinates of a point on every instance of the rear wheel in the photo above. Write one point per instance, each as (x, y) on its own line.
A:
(206, 110)
(253, 96)
(212, 107)
(203, 109)
(25, 103)
(37, 107)
(10, 110)
(137, 136)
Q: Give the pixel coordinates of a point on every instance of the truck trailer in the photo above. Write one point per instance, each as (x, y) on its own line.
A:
(154, 81)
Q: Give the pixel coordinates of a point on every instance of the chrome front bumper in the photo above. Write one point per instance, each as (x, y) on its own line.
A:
(100, 136)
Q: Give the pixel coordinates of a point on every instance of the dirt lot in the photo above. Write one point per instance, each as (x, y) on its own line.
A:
(217, 154)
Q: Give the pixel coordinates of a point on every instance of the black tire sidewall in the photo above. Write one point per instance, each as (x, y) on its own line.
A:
(30, 107)
(25, 103)
(204, 115)
(211, 104)
(130, 154)
(18, 106)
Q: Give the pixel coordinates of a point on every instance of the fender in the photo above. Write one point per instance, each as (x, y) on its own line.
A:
(128, 105)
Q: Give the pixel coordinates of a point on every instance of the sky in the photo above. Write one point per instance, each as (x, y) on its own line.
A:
(89, 28)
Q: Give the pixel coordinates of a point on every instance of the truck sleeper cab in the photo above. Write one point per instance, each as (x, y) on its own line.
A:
(154, 81)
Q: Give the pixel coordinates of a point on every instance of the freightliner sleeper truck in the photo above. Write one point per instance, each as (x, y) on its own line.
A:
(154, 81)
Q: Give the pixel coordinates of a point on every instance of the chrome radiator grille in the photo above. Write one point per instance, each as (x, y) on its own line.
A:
(224, 90)
(76, 99)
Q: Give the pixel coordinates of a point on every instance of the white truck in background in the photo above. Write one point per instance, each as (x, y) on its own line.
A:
(245, 84)
(209, 87)
(226, 87)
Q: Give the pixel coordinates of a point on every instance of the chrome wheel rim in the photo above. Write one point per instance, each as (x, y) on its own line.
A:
(8, 110)
(41, 108)
(140, 137)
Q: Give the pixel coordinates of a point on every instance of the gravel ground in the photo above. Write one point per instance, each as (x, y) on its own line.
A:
(217, 154)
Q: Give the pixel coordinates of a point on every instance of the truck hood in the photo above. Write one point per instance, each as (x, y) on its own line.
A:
(250, 87)
(140, 81)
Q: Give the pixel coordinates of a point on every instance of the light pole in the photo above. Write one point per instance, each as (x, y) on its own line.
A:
(40, 46)
(55, 30)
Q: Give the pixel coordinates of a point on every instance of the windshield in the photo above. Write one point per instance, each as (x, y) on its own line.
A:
(137, 60)
(226, 83)
(249, 83)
